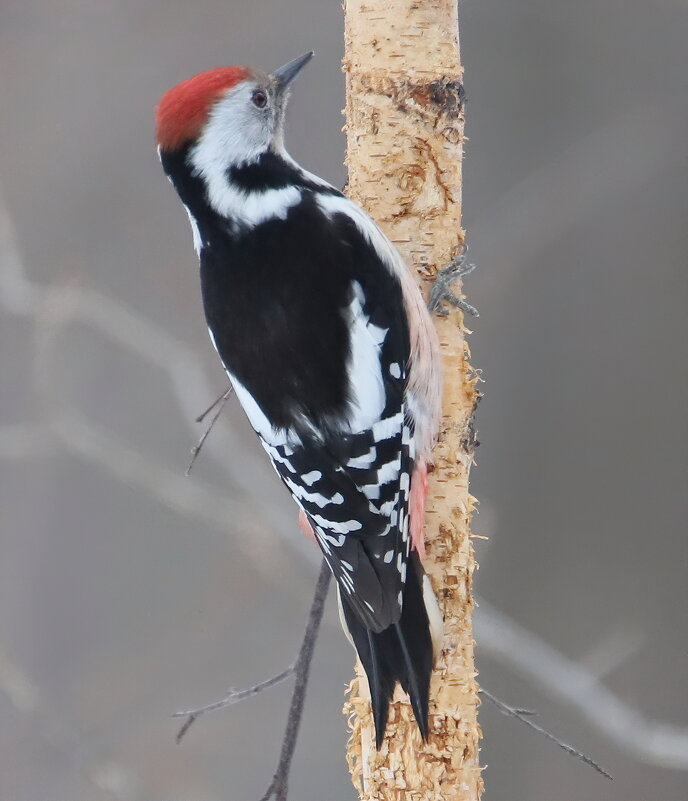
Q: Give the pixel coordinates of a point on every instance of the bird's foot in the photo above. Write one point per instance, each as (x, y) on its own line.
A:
(441, 292)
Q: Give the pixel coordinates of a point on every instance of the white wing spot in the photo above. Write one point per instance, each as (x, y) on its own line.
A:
(389, 556)
(390, 471)
(363, 461)
(277, 457)
(406, 435)
(371, 491)
(395, 370)
(317, 498)
(340, 528)
(311, 478)
(387, 506)
(384, 429)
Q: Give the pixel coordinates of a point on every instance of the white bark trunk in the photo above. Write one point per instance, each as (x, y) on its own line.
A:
(404, 149)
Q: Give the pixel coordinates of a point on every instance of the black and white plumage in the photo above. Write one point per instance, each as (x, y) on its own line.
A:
(330, 349)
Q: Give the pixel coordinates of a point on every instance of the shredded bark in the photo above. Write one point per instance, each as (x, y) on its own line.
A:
(404, 124)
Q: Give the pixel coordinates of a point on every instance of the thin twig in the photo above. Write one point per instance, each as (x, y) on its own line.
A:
(279, 785)
(301, 669)
(505, 709)
(233, 697)
(222, 399)
(58, 307)
(197, 448)
(653, 741)
(569, 682)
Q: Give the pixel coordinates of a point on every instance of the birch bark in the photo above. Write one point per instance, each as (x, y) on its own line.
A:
(404, 125)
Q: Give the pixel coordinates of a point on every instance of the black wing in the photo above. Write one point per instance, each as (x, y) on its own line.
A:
(355, 495)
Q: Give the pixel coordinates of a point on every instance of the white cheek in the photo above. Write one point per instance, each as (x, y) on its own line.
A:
(237, 133)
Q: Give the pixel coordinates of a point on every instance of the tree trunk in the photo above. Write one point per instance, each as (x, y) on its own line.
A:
(404, 124)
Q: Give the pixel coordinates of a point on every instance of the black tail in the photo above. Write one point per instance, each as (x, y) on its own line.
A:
(401, 653)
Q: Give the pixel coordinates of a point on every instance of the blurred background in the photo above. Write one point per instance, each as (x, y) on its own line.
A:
(128, 591)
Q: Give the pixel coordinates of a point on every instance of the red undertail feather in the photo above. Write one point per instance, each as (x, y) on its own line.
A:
(419, 491)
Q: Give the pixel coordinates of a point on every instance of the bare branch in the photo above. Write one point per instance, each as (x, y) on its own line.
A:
(197, 503)
(222, 399)
(616, 648)
(301, 669)
(523, 716)
(233, 697)
(279, 785)
(197, 448)
(55, 308)
(653, 741)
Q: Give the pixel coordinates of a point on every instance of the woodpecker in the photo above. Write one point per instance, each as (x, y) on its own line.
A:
(331, 351)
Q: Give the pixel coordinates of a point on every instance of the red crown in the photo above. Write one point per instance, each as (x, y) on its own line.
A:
(182, 112)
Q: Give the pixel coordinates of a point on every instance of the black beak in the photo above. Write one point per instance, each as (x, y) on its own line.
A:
(286, 74)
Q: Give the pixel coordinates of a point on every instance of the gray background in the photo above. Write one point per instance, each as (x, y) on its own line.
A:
(127, 591)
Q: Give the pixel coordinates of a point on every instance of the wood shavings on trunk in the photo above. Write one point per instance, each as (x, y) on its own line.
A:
(404, 125)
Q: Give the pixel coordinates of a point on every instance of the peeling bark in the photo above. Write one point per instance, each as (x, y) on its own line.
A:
(404, 125)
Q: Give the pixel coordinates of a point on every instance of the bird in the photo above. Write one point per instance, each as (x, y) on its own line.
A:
(331, 351)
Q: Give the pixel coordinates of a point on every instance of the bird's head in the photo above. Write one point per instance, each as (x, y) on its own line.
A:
(228, 114)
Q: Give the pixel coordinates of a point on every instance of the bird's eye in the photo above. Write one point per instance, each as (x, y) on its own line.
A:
(259, 98)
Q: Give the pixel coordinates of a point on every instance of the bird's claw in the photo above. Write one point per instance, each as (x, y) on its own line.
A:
(440, 291)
